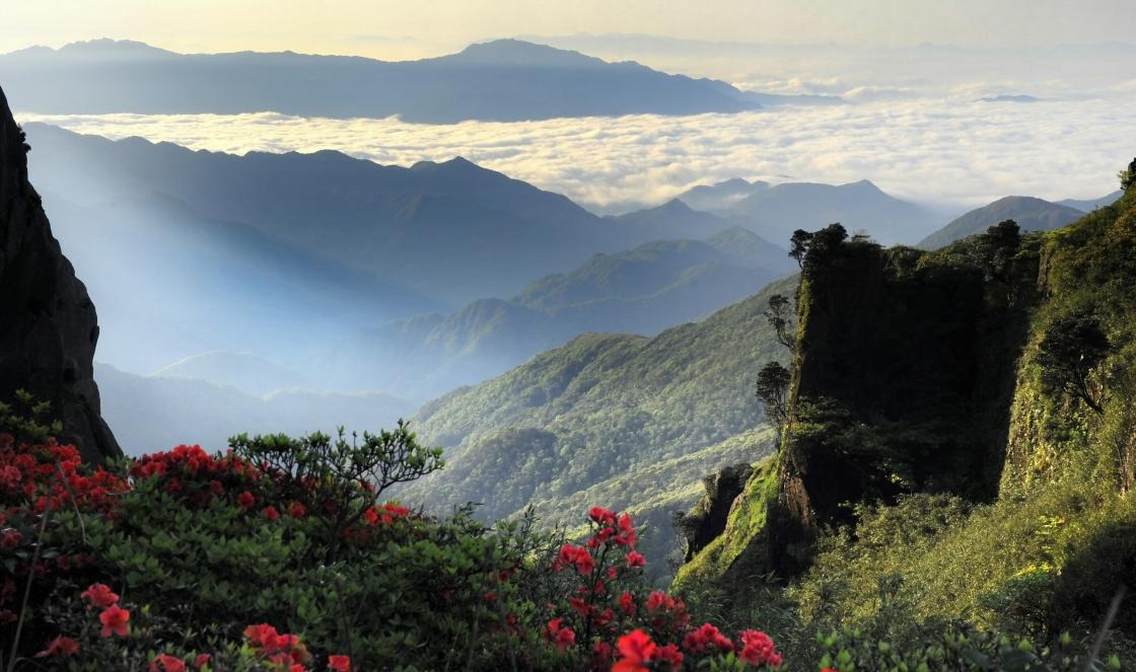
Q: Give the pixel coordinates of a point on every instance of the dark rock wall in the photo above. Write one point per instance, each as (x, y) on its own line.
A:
(48, 327)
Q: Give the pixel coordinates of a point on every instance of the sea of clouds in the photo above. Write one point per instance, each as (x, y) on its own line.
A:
(953, 153)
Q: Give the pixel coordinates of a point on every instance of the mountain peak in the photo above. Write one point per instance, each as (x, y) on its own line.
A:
(106, 47)
(521, 53)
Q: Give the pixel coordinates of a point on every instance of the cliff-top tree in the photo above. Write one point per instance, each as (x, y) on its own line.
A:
(772, 389)
(799, 246)
(1072, 347)
(1128, 176)
(780, 317)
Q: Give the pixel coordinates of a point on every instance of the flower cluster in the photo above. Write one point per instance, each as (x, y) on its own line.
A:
(198, 478)
(621, 625)
(384, 514)
(48, 476)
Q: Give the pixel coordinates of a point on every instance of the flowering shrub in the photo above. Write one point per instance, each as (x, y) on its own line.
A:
(609, 619)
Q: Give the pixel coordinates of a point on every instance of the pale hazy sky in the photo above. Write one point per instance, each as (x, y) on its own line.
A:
(414, 28)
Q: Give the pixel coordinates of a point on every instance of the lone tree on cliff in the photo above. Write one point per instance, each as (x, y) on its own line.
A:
(773, 391)
(799, 246)
(1072, 347)
(780, 317)
(1127, 177)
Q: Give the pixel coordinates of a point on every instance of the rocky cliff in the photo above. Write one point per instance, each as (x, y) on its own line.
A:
(925, 372)
(48, 326)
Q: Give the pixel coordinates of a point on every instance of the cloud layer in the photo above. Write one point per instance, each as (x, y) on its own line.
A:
(939, 151)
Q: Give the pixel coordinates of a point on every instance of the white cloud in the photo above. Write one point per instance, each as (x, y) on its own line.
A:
(947, 151)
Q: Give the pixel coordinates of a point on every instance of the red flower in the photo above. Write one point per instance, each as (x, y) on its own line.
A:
(575, 555)
(602, 516)
(246, 500)
(114, 620)
(758, 649)
(297, 510)
(371, 516)
(669, 654)
(164, 662)
(636, 559)
(560, 635)
(637, 650)
(10, 539)
(60, 646)
(339, 663)
(271, 513)
(202, 660)
(602, 652)
(627, 603)
(100, 596)
(705, 638)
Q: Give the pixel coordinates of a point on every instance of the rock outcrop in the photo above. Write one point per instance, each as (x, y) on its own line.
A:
(48, 327)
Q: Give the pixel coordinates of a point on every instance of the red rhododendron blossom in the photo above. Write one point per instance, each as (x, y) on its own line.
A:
(99, 596)
(201, 660)
(602, 652)
(246, 500)
(339, 663)
(371, 516)
(706, 638)
(60, 646)
(602, 516)
(114, 620)
(669, 654)
(758, 649)
(560, 635)
(627, 603)
(297, 510)
(636, 650)
(271, 513)
(575, 555)
(164, 662)
(636, 559)
(10, 539)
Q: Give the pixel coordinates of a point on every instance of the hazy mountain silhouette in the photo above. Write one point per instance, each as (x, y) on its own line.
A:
(1031, 214)
(642, 291)
(450, 232)
(502, 80)
(1090, 204)
(194, 256)
(154, 413)
(775, 211)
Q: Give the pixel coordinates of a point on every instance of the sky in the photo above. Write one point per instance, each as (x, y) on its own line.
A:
(404, 29)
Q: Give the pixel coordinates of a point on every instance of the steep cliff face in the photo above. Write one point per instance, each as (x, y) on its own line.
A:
(922, 373)
(48, 327)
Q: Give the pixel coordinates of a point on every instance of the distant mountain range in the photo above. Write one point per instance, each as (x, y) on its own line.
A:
(774, 211)
(152, 413)
(436, 230)
(1031, 214)
(502, 80)
(639, 291)
(320, 259)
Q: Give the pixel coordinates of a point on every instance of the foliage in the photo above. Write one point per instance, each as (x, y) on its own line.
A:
(950, 648)
(1072, 347)
(601, 410)
(772, 389)
(189, 560)
(781, 320)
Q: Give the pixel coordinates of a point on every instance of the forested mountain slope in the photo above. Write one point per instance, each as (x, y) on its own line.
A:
(602, 409)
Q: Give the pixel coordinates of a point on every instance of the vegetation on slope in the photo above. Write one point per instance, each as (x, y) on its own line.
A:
(600, 408)
(1049, 549)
